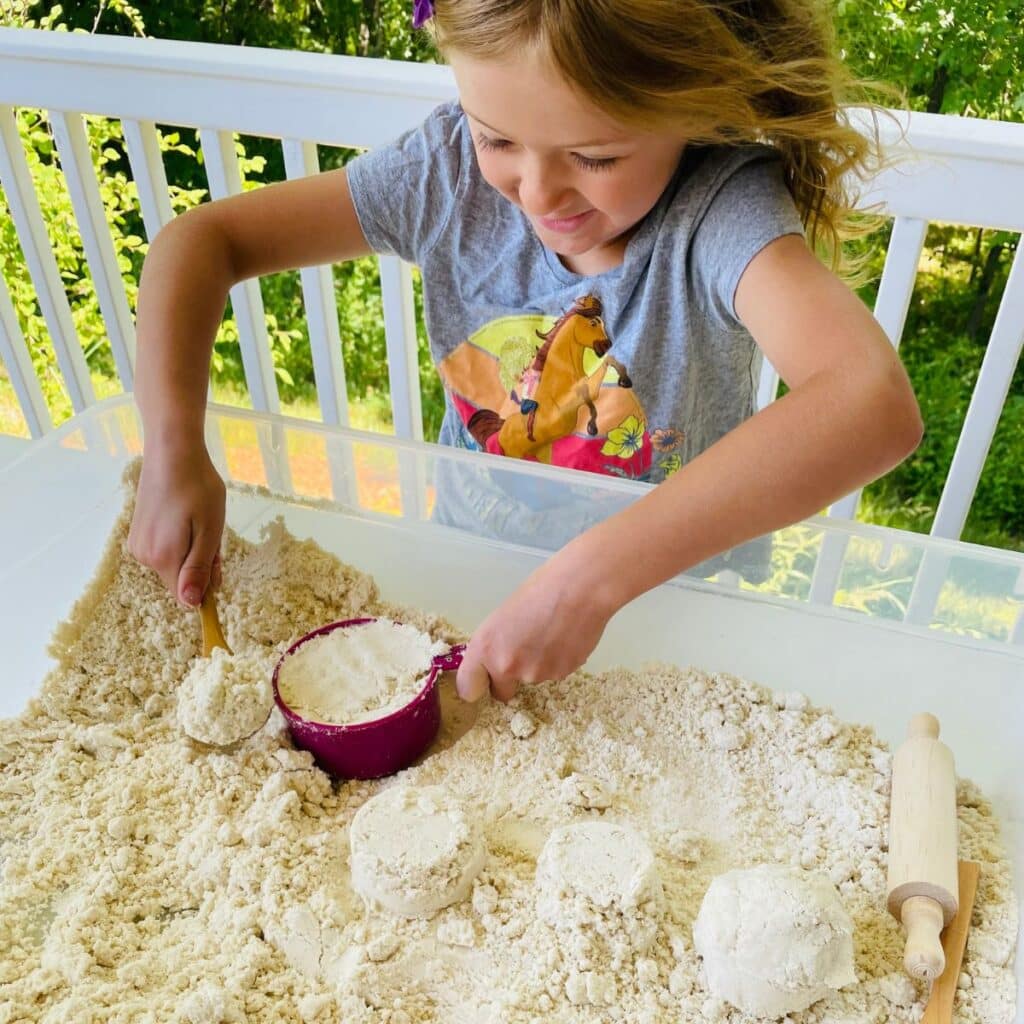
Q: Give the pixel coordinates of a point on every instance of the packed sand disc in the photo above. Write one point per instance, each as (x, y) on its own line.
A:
(600, 878)
(415, 851)
(774, 939)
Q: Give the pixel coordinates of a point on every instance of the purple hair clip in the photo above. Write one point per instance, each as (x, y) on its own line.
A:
(422, 12)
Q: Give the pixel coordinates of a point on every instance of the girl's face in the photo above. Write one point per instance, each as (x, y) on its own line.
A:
(584, 180)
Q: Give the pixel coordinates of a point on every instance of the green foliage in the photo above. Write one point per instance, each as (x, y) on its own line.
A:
(362, 28)
(951, 58)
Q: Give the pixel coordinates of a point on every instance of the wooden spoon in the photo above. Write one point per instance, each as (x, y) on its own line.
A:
(940, 1004)
(213, 635)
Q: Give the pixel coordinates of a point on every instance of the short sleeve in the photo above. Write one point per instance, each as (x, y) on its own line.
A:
(751, 208)
(404, 192)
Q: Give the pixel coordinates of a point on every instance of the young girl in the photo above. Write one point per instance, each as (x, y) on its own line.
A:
(611, 227)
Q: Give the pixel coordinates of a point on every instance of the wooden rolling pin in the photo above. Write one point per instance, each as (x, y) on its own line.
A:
(923, 885)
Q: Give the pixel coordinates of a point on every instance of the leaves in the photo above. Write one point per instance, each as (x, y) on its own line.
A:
(962, 58)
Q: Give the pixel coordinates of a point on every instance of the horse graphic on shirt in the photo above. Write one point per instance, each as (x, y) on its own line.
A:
(554, 387)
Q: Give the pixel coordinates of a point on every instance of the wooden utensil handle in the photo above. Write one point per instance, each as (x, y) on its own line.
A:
(923, 957)
(940, 1004)
(213, 636)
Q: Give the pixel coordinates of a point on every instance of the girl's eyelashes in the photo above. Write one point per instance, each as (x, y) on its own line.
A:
(486, 142)
(587, 163)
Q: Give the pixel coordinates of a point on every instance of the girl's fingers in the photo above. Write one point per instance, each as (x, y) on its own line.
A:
(196, 570)
(505, 689)
(472, 680)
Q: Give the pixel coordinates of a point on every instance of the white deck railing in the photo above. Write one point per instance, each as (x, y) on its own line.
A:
(953, 170)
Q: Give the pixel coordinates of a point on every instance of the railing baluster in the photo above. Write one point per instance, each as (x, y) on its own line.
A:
(896, 288)
(1017, 636)
(929, 579)
(225, 179)
(1017, 633)
(15, 356)
(246, 300)
(42, 266)
(147, 164)
(982, 417)
(149, 174)
(80, 175)
(987, 402)
(894, 294)
(404, 378)
(400, 332)
(891, 305)
(767, 387)
(300, 161)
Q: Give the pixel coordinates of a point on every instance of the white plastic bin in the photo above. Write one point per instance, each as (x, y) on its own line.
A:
(370, 500)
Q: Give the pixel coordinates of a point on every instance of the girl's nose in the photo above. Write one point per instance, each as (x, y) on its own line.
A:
(541, 188)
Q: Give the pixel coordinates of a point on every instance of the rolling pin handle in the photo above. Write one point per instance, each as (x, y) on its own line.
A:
(923, 726)
(923, 957)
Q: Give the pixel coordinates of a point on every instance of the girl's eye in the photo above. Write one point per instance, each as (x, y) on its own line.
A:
(589, 163)
(488, 143)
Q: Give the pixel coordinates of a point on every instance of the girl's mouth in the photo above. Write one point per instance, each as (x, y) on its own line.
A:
(564, 225)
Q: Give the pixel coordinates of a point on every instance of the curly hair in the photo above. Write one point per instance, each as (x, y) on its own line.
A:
(716, 71)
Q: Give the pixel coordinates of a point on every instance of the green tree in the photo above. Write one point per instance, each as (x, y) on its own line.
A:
(964, 58)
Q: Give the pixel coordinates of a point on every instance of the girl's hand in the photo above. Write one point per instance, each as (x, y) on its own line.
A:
(545, 630)
(178, 520)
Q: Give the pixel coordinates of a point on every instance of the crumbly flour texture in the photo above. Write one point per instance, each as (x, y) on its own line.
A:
(226, 697)
(357, 673)
(554, 856)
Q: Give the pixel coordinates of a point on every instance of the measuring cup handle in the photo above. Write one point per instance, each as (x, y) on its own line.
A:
(452, 660)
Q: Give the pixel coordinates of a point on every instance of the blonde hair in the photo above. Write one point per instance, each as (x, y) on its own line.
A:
(717, 71)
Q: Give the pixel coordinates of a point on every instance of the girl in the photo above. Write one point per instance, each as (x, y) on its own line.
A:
(611, 226)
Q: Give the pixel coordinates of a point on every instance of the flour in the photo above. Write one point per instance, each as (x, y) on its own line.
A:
(774, 939)
(147, 878)
(415, 851)
(225, 698)
(357, 673)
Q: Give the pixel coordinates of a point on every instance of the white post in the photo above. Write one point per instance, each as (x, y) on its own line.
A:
(300, 161)
(404, 377)
(246, 301)
(148, 171)
(42, 266)
(891, 305)
(76, 161)
(997, 369)
(15, 356)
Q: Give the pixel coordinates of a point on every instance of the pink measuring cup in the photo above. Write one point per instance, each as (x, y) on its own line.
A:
(380, 746)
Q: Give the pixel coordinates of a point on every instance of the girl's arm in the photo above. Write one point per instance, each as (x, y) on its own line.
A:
(191, 265)
(850, 416)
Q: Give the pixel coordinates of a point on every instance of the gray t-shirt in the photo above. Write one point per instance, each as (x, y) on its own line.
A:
(631, 372)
